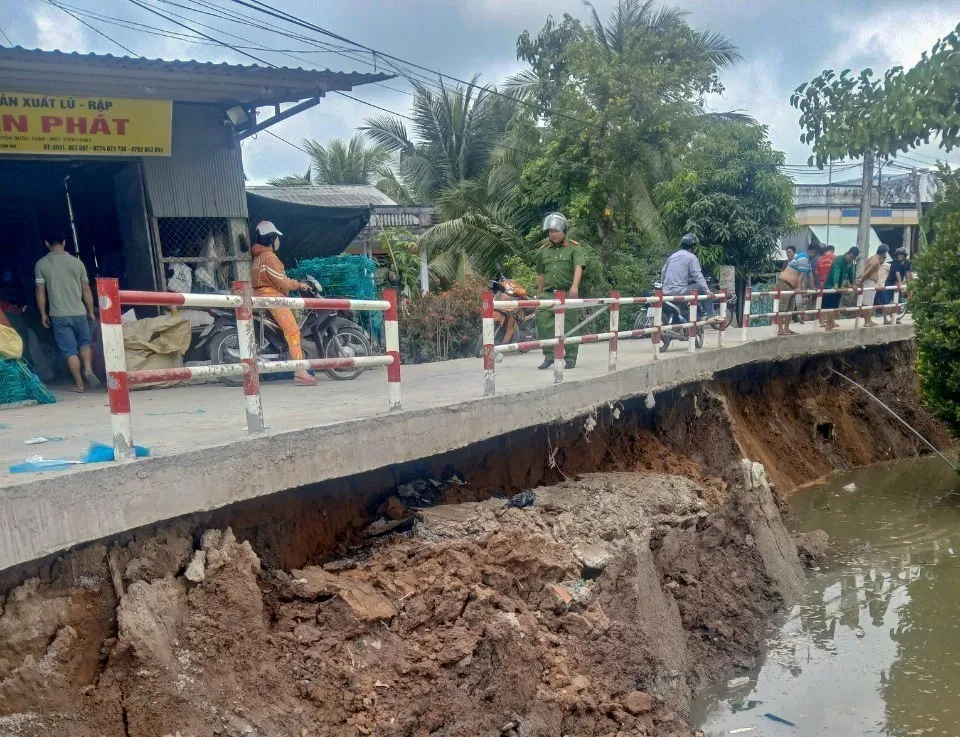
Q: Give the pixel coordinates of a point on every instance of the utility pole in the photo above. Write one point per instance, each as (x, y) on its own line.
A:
(829, 200)
(916, 193)
(866, 209)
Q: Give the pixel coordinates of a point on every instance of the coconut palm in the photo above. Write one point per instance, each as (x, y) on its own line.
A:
(455, 132)
(339, 162)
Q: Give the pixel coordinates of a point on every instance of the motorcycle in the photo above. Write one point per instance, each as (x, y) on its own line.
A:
(333, 335)
(677, 313)
(511, 324)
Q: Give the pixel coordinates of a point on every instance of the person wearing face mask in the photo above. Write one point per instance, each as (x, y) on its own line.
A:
(269, 280)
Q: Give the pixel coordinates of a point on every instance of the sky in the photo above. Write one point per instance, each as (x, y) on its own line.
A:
(783, 43)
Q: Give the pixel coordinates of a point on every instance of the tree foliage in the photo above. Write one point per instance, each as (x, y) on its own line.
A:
(935, 297)
(729, 191)
(845, 116)
(621, 100)
(339, 162)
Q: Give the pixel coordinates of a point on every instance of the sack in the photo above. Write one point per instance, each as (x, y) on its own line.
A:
(156, 343)
(11, 344)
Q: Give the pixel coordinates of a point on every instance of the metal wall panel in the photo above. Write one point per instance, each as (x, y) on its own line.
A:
(204, 176)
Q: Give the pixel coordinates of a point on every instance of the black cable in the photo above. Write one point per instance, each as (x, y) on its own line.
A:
(4, 34)
(92, 28)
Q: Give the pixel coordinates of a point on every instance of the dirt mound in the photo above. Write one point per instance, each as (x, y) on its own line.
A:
(597, 610)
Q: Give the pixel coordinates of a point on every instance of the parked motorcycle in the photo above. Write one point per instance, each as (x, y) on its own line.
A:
(511, 324)
(334, 336)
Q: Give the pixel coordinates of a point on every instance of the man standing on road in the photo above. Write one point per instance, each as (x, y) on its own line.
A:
(66, 304)
(843, 271)
(559, 268)
(822, 269)
(797, 275)
(868, 280)
(681, 275)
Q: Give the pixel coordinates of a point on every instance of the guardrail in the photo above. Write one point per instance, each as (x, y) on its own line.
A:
(119, 380)
(818, 311)
(560, 304)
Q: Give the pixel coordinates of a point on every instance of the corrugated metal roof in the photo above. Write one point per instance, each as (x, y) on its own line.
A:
(325, 195)
(61, 73)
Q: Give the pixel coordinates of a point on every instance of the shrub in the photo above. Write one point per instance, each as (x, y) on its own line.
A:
(935, 296)
(440, 326)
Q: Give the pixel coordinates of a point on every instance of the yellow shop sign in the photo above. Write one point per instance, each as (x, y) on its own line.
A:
(84, 126)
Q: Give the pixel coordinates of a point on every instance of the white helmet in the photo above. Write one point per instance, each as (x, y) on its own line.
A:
(265, 227)
(555, 221)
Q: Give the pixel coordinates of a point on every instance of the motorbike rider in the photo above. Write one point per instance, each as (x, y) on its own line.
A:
(681, 274)
(559, 268)
(269, 280)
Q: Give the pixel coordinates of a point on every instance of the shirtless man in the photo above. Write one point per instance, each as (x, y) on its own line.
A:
(868, 280)
(798, 274)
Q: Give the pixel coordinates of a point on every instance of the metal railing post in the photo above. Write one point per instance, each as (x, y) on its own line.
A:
(657, 325)
(692, 334)
(114, 358)
(392, 334)
(895, 312)
(489, 356)
(723, 317)
(747, 298)
(857, 320)
(819, 315)
(559, 317)
(248, 357)
(614, 328)
(776, 310)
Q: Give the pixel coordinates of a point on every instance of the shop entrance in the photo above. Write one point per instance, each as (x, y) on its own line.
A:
(109, 231)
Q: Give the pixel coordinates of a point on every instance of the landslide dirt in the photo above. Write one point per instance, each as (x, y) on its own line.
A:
(598, 610)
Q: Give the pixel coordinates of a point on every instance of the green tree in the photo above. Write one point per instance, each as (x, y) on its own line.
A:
(730, 192)
(340, 162)
(844, 115)
(622, 99)
(456, 131)
(935, 296)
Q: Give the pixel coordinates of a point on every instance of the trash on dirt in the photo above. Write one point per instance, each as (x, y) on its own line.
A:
(741, 730)
(525, 498)
(40, 439)
(781, 720)
(385, 526)
(850, 487)
(738, 682)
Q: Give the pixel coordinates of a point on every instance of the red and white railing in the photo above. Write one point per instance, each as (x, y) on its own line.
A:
(119, 380)
(818, 311)
(560, 304)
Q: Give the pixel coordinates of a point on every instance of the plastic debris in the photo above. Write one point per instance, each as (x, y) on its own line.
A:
(850, 487)
(521, 500)
(100, 453)
(39, 439)
(781, 720)
(36, 464)
(742, 730)
(738, 682)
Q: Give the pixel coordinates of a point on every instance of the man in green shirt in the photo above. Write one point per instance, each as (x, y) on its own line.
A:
(842, 273)
(559, 268)
(66, 305)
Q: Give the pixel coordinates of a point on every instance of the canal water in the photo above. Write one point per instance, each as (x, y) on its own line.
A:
(873, 648)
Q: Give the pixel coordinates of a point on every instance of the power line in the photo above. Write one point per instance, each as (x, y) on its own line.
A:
(92, 28)
(4, 34)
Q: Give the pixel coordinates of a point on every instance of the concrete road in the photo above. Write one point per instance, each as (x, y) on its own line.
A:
(169, 421)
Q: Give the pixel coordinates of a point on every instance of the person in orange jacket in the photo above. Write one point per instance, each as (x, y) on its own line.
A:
(269, 280)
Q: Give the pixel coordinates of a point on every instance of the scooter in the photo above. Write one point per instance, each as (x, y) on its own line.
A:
(333, 335)
(679, 313)
(511, 324)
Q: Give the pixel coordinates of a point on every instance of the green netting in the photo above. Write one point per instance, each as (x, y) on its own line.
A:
(349, 277)
(18, 383)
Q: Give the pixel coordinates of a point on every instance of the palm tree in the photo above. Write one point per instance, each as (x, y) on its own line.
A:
(339, 162)
(456, 130)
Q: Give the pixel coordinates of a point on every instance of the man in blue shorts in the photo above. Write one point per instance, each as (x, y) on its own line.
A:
(66, 305)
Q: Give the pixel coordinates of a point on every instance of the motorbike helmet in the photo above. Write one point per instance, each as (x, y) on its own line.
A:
(555, 221)
(267, 233)
(689, 241)
(901, 251)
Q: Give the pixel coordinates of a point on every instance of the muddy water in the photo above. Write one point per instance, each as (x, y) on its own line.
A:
(874, 646)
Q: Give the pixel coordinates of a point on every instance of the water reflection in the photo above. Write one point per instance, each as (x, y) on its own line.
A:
(872, 649)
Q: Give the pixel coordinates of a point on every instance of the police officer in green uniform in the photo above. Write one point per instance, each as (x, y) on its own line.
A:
(559, 267)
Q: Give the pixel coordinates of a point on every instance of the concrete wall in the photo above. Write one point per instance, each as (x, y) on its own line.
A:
(46, 515)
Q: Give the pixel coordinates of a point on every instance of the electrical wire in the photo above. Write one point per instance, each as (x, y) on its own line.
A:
(92, 28)
(4, 34)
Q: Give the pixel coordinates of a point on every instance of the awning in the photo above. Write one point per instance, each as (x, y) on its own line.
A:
(843, 238)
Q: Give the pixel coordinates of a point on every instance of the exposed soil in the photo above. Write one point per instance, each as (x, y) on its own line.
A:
(646, 568)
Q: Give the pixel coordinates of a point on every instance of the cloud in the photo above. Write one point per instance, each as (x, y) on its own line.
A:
(56, 30)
